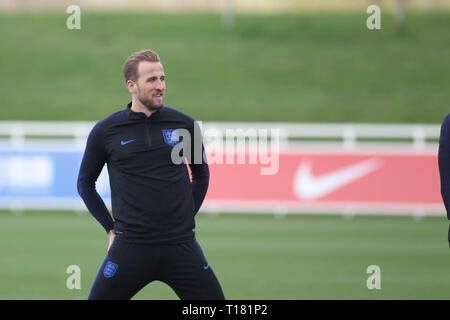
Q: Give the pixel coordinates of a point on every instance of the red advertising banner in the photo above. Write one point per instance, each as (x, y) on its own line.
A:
(331, 180)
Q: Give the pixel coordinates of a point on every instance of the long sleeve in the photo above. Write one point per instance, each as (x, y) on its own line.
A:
(94, 159)
(199, 167)
(444, 164)
(200, 183)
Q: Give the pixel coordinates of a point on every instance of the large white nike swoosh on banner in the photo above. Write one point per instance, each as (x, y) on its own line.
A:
(308, 186)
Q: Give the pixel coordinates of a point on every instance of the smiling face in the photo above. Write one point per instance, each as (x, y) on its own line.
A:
(149, 87)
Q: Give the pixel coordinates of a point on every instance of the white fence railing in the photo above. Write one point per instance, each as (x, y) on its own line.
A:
(39, 163)
(350, 134)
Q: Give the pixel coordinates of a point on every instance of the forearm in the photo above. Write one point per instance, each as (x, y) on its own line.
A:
(95, 205)
(200, 183)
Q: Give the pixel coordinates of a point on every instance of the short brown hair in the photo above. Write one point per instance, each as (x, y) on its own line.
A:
(130, 71)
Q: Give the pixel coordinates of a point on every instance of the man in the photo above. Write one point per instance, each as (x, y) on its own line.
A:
(444, 165)
(153, 200)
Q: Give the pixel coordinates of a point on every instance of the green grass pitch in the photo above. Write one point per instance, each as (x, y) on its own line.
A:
(254, 256)
(294, 68)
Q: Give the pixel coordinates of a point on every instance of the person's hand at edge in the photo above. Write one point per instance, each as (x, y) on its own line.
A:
(111, 235)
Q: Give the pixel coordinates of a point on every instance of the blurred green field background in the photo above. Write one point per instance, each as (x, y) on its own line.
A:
(254, 256)
(295, 68)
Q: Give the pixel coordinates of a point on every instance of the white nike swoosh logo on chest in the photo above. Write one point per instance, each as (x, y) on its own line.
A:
(308, 186)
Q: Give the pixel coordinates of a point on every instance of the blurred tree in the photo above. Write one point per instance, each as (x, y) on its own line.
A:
(229, 12)
(400, 16)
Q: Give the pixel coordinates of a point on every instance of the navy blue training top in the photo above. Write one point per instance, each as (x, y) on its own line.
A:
(152, 198)
(444, 165)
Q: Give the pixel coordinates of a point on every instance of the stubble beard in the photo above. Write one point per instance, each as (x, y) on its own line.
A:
(149, 104)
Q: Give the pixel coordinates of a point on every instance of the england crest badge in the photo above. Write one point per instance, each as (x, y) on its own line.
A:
(110, 269)
(171, 137)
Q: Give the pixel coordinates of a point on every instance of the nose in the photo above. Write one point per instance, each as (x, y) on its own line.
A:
(160, 85)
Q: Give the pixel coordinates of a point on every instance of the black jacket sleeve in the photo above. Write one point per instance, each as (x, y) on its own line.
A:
(94, 159)
(200, 183)
(199, 167)
(444, 165)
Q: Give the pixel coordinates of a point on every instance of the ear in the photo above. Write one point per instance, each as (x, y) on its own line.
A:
(132, 86)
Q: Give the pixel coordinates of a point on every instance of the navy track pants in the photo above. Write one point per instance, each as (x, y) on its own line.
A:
(128, 267)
